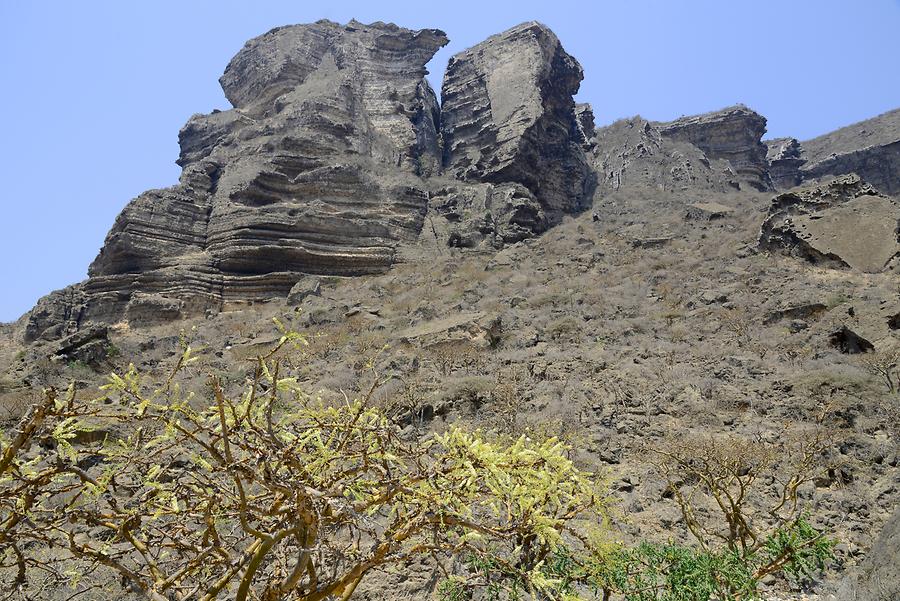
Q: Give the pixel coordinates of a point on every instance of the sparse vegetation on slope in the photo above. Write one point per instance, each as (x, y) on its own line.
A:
(273, 494)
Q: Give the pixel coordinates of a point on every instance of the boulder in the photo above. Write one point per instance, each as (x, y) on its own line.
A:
(707, 211)
(475, 328)
(849, 342)
(307, 286)
(803, 311)
(90, 346)
(508, 116)
(894, 321)
(822, 224)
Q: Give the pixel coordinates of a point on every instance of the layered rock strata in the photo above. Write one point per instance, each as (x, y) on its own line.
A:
(785, 157)
(878, 164)
(317, 169)
(733, 134)
(633, 153)
(869, 148)
(508, 116)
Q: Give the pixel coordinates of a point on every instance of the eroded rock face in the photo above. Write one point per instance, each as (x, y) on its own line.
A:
(337, 157)
(785, 160)
(733, 134)
(508, 116)
(633, 153)
(878, 164)
(870, 148)
(584, 120)
(843, 224)
(878, 576)
(56, 315)
(470, 215)
(317, 169)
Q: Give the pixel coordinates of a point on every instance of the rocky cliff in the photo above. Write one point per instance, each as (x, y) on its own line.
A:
(733, 134)
(508, 115)
(878, 578)
(878, 164)
(785, 158)
(337, 158)
(869, 148)
(633, 153)
(317, 169)
(664, 310)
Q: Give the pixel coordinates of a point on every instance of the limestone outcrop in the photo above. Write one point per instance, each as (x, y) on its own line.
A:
(508, 116)
(878, 164)
(843, 224)
(469, 215)
(733, 134)
(869, 148)
(337, 159)
(584, 120)
(633, 153)
(317, 169)
(785, 157)
(334, 152)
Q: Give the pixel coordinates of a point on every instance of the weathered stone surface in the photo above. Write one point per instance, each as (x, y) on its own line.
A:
(803, 311)
(845, 223)
(632, 153)
(495, 214)
(878, 577)
(894, 322)
(584, 119)
(508, 116)
(476, 328)
(317, 169)
(56, 314)
(733, 134)
(870, 148)
(150, 309)
(90, 346)
(878, 164)
(785, 160)
(707, 211)
(849, 342)
(307, 286)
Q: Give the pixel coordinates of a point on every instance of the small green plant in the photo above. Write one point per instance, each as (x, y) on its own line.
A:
(672, 572)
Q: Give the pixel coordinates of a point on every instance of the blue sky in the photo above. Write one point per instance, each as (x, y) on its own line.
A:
(94, 93)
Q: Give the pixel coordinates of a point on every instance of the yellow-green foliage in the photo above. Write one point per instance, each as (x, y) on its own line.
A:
(264, 493)
(273, 495)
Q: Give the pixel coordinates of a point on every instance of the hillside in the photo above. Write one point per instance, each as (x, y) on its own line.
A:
(513, 267)
(877, 131)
